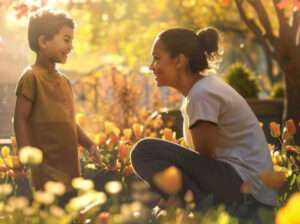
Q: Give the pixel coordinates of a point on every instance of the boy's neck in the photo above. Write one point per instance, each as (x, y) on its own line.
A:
(46, 64)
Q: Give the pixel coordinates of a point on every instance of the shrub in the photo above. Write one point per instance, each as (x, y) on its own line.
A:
(242, 80)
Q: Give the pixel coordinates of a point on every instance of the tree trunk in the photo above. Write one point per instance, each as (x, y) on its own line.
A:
(292, 96)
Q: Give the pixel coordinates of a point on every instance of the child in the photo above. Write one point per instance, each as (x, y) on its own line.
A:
(44, 111)
(226, 146)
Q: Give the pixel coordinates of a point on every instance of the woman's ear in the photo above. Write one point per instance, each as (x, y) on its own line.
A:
(182, 61)
(42, 41)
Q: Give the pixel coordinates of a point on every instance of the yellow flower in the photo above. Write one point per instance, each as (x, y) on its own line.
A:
(82, 184)
(30, 155)
(137, 129)
(55, 188)
(127, 132)
(44, 197)
(289, 214)
(169, 180)
(19, 203)
(108, 126)
(5, 151)
(275, 129)
(5, 190)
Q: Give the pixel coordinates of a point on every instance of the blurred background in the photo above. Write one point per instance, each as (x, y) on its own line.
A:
(112, 50)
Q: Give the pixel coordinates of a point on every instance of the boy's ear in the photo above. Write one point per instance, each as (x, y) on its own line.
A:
(182, 61)
(42, 41)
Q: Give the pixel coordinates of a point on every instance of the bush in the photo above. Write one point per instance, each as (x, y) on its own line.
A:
(277, 90)
(242, 80)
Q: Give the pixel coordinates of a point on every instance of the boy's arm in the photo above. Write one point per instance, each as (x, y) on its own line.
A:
(21, 115)
(87, 143)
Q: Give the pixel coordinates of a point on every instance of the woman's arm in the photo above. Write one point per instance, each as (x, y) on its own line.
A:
(204, 135)
(21, 115)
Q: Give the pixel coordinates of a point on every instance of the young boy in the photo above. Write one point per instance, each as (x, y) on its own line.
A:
(44, 112)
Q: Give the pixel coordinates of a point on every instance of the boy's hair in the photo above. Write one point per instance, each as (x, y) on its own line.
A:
(48, 23)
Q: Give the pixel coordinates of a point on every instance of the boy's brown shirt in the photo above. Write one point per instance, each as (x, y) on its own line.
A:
(52, 126)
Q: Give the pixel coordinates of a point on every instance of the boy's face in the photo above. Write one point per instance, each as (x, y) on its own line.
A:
(58, 48)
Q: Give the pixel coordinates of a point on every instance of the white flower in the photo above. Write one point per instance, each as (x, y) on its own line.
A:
(30, 156)
(113, 187)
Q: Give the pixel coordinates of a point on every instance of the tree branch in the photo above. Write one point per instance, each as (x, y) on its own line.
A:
(254, 28)
(263, 18)
(282, 20)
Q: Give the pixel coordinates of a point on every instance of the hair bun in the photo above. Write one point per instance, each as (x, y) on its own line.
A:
(209, 39)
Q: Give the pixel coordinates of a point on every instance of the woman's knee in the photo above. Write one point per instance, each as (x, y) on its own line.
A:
(140, 148)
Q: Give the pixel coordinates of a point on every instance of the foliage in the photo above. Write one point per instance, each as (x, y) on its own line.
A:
(242, 80)
(277, 90)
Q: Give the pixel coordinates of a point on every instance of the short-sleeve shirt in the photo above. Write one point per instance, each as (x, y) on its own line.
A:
(241, 141)
(52, 126)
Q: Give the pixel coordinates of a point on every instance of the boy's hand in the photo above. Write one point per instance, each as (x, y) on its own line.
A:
(95, 154)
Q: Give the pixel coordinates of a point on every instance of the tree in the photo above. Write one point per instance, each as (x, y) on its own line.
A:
(283, 44)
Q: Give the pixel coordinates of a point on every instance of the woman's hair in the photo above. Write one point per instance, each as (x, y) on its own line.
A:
(48, 23)
(199, 48)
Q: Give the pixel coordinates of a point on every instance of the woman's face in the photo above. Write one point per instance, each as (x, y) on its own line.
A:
(163, 66)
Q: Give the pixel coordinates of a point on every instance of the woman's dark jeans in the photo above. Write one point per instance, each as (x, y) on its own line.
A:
(202, 175)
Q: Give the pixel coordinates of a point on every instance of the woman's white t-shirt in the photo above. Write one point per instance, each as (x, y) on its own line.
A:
(241, 141)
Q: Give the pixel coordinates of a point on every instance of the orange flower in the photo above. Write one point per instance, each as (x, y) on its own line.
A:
(291, 127)
(169, 180)
(275, 129)
(100, 138)
(168, 134)
(104, 217)
(289, 214)
(123, 151)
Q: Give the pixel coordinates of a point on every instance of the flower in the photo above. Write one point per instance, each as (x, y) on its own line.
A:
(5, 151)
(44, 197)
(169, 180)
(30, 155)
(55, 188)
(103, 217)
(100, 138)
(127, 132)
(289, 214)
(137, 129)
(5, 190)
(275, 129)
(168, 134)
(113, 187)
(82, 184)
(124, 150)
(291, 127)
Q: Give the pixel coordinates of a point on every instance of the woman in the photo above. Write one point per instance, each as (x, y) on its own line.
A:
(227, 147)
